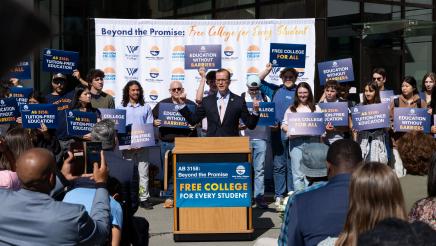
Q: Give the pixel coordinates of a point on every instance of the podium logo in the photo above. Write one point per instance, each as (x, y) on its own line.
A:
(154, 95)
(178, 73)
(253, 52)
(240, 170)
(154, 51)
(109, 73)
(154, 72)
(178, 52)
(109, 52)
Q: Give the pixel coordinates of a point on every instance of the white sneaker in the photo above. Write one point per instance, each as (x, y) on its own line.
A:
(278, 201)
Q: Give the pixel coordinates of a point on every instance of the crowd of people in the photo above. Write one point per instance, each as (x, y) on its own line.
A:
(342, 188)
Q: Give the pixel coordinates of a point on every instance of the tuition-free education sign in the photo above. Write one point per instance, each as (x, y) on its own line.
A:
(306, 124)
(287, 55)
(208, 56)
(213, 184)
(59, 61)
(137, 136)
(372, 116)
(267, 116)
(335, 112)
(21, 94)
(411, 119)
(9, 110)
(80, 123)
(22, 70)
(117, 115)
(170, 116)
(32, 115)
(339, 70)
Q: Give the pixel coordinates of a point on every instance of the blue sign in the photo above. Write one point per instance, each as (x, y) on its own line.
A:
(117, 115)
(170, 116)
(213, 184)
(80, 123)
(371, 116)
(208, 56)
(305, 124)
(136, 136)
(434, 122)
(32, 115)
(21, 94)
(267, 115)
(22, 70)
(59, 61)
(339, 70)
(287, 55)
(9, 110)
(335, 112)
(411, 119)
(386, 96)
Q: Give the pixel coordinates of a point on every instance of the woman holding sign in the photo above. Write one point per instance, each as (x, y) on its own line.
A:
(82, 102)
(303, 103)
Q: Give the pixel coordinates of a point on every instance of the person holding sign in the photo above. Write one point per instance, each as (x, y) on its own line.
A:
(428, 84)
(82, 102)
(209, 79)
(138, 113)
(167, 133)
(303, 103)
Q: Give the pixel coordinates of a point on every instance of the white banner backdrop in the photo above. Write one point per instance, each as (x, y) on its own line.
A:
(152, 51)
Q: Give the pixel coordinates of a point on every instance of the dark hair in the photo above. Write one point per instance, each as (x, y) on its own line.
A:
(38, 96)
(432, 77)
(297, 101)
(431, 181)
(211, 75)
(5, 87)
(75, 104)
(411, 81)
(380, 71)
(289, 69)
(333, 84)
(18, 141)
(94, 73)
(223, 70)
(126, 89)
(345, 152)
(433, 101)
(416, 149)
(373, 86)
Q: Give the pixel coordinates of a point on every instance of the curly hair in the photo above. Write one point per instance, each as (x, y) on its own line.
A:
(94, 73)
(416, 149)
(126, 89)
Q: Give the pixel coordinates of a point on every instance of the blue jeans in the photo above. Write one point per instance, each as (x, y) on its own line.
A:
(281, 161)
(164, 146)
(295, 152)
(259, 152)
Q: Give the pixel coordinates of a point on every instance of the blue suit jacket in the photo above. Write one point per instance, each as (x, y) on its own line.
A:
(318, 214)
(34, 218)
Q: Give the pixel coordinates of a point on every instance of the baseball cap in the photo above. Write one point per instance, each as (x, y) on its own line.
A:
(253, 81)
(59, 76)
(313, 161)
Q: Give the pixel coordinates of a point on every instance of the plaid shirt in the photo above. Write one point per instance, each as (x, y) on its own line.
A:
(283, 238)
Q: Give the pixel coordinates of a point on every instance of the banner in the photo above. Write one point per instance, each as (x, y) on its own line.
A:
(411, 119)
(213, 184)
(306, 124)
(32, 115)
(335, 112)
(339, 70)
(9, 110)
(21, 94)
(80, 123)
(386, 96)
(137, 136)
(153, 52)
(288, 55)
(117, 115)
(208, 56)
(267, 115)
(22, 70)
(59, 61)
(170, 116)
(372, 116)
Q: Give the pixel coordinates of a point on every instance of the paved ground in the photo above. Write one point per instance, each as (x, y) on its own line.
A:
(266, 223)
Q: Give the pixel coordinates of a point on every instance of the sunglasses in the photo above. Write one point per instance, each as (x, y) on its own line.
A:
(176, 89)
(377, 79)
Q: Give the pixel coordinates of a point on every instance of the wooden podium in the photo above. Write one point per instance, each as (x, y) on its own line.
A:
(211, 223)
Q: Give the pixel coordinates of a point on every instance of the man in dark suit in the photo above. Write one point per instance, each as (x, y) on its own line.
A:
(222, 110)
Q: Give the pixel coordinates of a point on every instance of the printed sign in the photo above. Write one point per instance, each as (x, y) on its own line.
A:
(411, 119)
(22, 70)
(372, 116)
(80, 123)
(59, 61)
(335, 112)
(305, 124)
(32, 115)
(117, 115)
(170, 116)
(137, 136)
(213, 184)
(339, 70)
(267, 116)
(287, 55)
(9, 110)
(386, 96)
(21, 94)
(208, 56)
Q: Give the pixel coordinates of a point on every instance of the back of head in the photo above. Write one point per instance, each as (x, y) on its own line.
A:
(104, 132)
(345, 155)
(431, 181)
(210, 75)
(313, 161)
(18, 140)
(416, 149)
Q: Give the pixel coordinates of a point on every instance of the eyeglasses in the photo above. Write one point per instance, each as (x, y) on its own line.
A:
(377, 78)
(176, 89)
